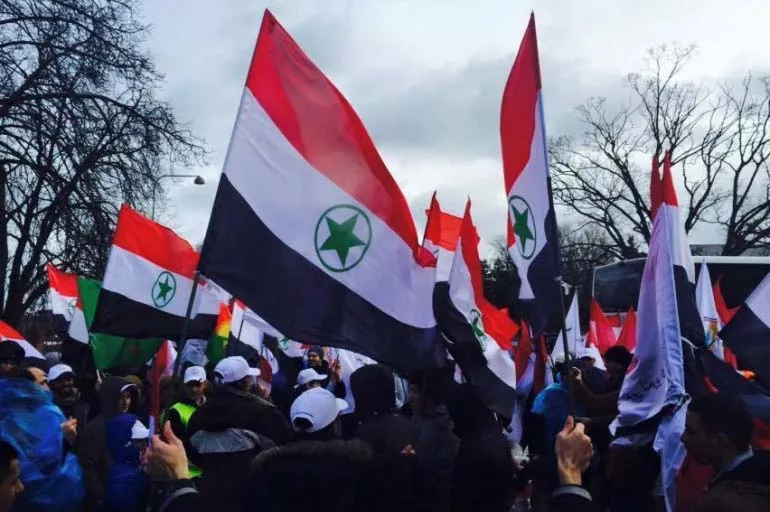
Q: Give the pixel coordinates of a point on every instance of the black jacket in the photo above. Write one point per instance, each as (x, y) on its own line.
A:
(92, 445)
(224, 435)
(570, 498)
(375, 420)
(483, 476)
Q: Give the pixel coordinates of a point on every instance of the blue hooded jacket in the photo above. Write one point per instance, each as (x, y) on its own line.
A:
(127, 485)
(31, 423)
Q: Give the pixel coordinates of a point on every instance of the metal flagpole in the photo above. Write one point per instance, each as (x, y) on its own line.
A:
(568, 359)
(186, 325)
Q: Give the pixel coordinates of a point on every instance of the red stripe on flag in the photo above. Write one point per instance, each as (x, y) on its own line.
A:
(523, 351)
(470, 243)
(725, 314)
(9, 333)
(64, 283)
(446, 232)
(517, 116)
(322, 126)
(498, 324)
(155, 243)
(668, 191)
(602, 335)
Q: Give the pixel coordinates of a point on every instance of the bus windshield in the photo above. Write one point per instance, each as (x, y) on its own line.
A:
(616, 286)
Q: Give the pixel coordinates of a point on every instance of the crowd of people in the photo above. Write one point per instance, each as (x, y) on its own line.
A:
(225, 443)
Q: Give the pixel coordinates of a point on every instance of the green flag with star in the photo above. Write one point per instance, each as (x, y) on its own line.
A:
(112, 351)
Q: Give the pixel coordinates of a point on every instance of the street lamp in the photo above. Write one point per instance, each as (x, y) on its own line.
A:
(197, 180)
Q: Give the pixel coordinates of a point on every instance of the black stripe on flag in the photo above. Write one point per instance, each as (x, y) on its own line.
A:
(466, 351)
(300, 300)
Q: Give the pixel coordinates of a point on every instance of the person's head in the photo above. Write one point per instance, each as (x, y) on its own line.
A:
(373, 389)
(125, 398)
(10, 483)
(309, 379)
(140, 436)
(138, 390)
(427, 389)
(195, 383)
(315, 415)
(31, 374)
(617, 359)
(11, 355)
(718, 428)
(315, 356)
(235, 372)
(469, 413)
(61, 380)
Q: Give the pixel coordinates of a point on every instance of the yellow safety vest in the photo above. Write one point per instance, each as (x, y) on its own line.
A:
(185, 413)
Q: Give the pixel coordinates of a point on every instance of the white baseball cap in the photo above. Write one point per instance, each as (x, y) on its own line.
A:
(234, 368)
(195, 374)
(139, 431)
(308, 375)
(59, 370)
(319, 406)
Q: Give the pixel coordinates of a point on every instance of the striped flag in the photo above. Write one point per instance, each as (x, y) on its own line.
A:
(78, 329)
(532, 241)
(308, 227)
(63, 291)
(747, 334)
(653, 392)
(441, 234)
(704, 297)
(572, 332)
(216, 348)
(465, 318)
(600, 333)
(109, 351)
(10, 335)
(690, 323)
(627, 336)
(148, 282)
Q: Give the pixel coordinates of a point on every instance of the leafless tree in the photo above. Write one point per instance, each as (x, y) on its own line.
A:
(81, 131)
(718, 136)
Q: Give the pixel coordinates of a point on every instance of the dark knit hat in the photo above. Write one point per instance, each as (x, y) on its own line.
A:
(316, 349)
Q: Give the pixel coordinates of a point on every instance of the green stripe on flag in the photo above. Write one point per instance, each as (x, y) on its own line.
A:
(112, 351)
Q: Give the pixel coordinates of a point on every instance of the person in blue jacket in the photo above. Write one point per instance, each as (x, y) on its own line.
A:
(127, 485)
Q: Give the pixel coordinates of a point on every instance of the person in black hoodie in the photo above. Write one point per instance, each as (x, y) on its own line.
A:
(116, 395)
(377, 423)
(482, 478)
(334, 382)
(226, 432)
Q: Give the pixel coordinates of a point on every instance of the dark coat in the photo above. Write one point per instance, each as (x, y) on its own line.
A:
(376, 421)
(746, 488)
(570, 498)
(92, 445)
(483, 474)
(224, 435)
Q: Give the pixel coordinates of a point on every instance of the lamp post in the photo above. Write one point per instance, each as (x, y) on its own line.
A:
(197, 180)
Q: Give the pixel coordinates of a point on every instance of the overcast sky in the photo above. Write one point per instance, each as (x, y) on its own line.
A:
(426, 76)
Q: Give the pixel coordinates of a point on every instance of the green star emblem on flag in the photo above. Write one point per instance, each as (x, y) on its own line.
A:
(524, 226)
(478, 328)
(164, 289)
(343, 235)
